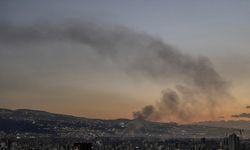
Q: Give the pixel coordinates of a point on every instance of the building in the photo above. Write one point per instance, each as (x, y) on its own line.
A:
(233, 142)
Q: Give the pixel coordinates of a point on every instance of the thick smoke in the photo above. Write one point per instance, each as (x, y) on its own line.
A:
(201, 89)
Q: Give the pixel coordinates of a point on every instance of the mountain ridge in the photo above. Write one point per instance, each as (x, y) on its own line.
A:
(26, 121)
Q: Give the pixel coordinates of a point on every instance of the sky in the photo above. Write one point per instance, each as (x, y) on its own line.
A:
(180, 61)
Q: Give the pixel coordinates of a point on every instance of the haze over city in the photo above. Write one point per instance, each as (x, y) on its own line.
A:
(166, 61)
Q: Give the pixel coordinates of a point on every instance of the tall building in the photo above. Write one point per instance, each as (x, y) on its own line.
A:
(224, 143)
(233, 142)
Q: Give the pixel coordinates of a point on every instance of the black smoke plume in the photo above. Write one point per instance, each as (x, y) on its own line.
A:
(200, 90)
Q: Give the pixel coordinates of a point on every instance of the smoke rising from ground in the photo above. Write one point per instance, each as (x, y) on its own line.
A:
(200, 92)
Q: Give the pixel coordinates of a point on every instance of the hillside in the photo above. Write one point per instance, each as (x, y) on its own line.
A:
(40, 123)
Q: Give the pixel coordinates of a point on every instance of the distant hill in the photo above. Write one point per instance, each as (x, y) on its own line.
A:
(24, 122)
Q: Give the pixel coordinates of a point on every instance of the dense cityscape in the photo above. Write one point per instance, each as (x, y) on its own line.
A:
(232, 142)
(39, 130)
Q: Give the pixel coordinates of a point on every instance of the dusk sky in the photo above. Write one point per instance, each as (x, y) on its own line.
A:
(162, 60)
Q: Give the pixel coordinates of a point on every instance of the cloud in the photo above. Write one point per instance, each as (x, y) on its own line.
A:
(243, 115)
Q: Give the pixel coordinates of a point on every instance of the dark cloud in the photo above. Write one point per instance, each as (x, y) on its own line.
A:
(131, 52)
(243, 115)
